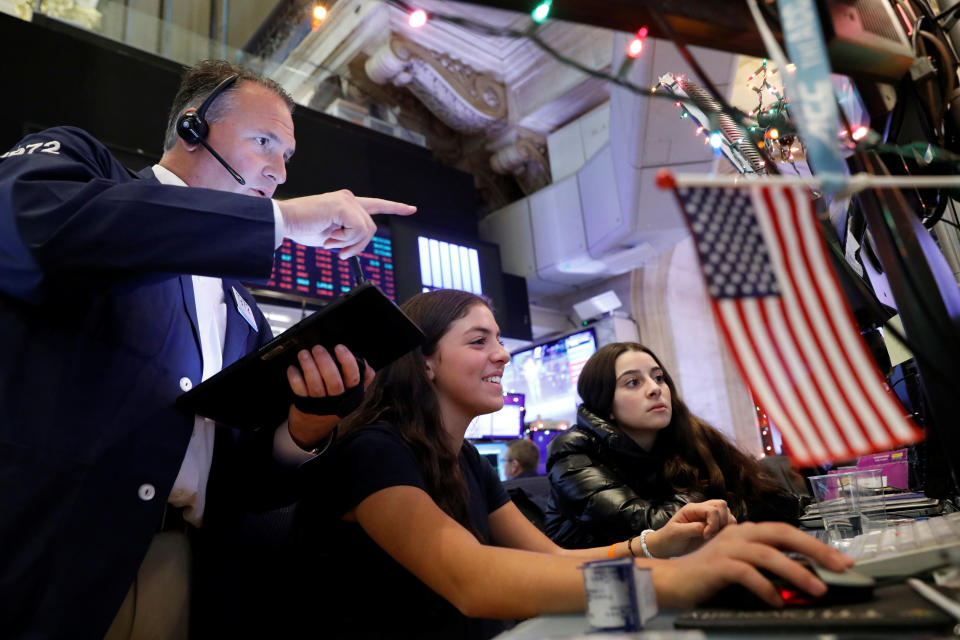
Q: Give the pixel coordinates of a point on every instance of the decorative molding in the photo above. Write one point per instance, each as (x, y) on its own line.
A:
(467, 100)
(80, 12)
(527, 160)
(445, 143)
(22, 9)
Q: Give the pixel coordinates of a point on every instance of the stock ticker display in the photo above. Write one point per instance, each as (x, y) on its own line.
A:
(313, 272)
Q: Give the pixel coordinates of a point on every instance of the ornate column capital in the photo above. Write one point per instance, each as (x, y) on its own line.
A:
(525, 156)
(467, 100)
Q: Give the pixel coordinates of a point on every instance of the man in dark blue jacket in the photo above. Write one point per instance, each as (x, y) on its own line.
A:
(118, 292)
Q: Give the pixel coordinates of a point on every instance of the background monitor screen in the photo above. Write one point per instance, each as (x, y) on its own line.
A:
(318, 275)
(426, 258)
(542, 439)
(505, 423)
(447, 265)
(547, 375)
(495, 453)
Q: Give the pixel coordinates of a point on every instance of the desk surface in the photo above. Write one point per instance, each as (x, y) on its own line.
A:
(890, 604)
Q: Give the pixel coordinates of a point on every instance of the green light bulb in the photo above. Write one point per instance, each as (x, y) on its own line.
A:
(541, 12)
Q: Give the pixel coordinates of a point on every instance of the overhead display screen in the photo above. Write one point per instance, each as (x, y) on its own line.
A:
(312, 272)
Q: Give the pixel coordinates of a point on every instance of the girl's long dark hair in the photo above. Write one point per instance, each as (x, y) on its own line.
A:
(401, 395)
(697, 457)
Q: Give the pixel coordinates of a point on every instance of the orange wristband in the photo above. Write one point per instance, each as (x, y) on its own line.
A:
(612, 550)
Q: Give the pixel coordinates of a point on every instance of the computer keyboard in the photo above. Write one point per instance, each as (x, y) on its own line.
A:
(895, 611)
(908, 549)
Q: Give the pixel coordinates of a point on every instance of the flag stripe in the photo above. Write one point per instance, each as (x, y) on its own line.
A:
(757, 378)
(810, 297)
(759, 322)
(805, 385)
(785, 251)
(839, 330)
(891, 420)
(775, 375)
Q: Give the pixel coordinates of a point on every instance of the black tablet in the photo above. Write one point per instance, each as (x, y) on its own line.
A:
(253, 392)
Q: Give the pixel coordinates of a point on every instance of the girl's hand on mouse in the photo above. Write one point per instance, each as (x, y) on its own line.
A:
(735, 556)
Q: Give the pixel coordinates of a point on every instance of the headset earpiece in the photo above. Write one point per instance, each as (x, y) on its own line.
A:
(192, 125)
(192, 128)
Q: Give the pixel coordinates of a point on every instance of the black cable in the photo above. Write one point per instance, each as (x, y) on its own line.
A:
(871, 302)
(904, 377)
(928, 13)
(943, 14)
(772, 18)
(949, 222)
(357, 268)
(890, 227)
(930, 221)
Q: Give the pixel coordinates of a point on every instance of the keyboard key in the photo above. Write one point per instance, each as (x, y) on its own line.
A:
(908, 549)
(924, 533)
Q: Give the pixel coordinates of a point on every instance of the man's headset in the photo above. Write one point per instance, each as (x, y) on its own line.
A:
(193, 128)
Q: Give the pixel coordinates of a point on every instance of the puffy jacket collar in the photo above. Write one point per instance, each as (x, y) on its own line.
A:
(607, 433)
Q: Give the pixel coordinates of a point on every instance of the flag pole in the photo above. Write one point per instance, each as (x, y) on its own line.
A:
(857, 182)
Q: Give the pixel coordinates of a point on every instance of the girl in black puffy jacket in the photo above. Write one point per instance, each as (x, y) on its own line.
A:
(637, 455)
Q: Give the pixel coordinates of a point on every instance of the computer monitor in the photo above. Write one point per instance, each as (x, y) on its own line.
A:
(495, 453)
(542, 438)
(928, 303)
(505, 423)
(547, 375)
(428, 258)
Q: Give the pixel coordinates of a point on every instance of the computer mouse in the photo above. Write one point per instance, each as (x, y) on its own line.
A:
(848, 587)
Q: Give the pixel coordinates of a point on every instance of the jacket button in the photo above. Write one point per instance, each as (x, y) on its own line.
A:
(146, 492)
(185, 384)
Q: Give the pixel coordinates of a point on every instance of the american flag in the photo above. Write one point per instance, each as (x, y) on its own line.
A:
(781, 309)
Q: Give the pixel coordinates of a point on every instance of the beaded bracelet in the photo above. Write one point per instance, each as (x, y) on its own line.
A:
(643, 543)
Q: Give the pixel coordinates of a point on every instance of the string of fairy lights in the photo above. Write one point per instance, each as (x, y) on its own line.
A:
(767, 128)
(755, 141)
(773, 123)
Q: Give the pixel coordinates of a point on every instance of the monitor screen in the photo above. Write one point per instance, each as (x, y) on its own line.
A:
(495, 453)
(446, 265)
(505, 423)
(547, 375)
(426, 259)
(542, 439)
(318, 276)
